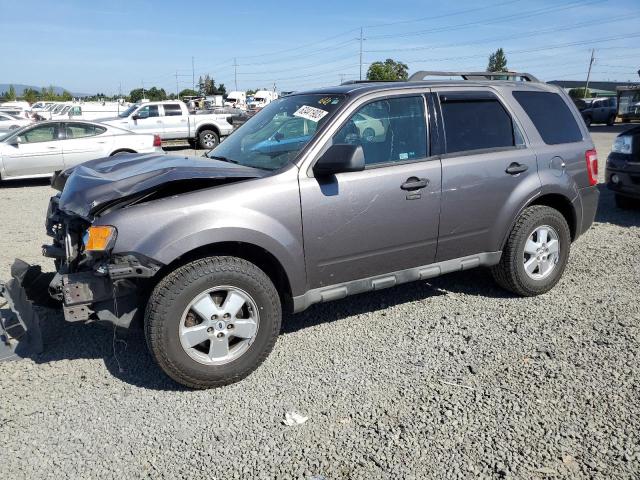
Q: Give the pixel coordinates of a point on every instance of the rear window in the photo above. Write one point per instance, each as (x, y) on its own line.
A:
(476, 124)
(551, 116)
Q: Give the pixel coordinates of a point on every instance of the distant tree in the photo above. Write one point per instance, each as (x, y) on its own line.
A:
(49, 93)
(30, 95)
(221, 90)
(10, 95)
(187, 92)
(389, 70)
(579, 93)
(497, 61)
(154, 94)
(251, 92)
(66, 96)
(135, 95)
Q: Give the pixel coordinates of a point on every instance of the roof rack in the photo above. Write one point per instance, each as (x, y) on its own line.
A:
(517, 76)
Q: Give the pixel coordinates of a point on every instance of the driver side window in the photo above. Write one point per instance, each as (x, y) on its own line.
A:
(389, 130)
(148, 111)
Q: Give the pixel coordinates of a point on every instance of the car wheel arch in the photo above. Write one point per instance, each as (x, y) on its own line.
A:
(212, 127)
(557, 201)
(269, 263)
(122, 150)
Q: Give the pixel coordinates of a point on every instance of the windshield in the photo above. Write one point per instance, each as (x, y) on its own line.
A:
(275, 135)
(128, 111)
(11, 134)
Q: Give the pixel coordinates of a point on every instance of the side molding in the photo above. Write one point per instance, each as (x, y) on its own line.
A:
(342, 290)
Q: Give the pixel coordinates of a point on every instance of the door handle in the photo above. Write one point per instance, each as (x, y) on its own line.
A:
(516, 168)
(414, 183)
(52, 148)
(158, 121)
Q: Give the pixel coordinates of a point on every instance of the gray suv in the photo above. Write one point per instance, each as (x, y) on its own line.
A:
(323, 194)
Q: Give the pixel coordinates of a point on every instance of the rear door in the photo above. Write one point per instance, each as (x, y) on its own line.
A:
(487, 172)
(383, 219)
(40, 152)
(175, 123)
(84, 142)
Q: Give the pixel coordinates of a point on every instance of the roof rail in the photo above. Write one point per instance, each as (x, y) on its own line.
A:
(524, 77)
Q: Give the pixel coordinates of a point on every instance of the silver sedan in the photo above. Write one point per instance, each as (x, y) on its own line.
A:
(40, 149)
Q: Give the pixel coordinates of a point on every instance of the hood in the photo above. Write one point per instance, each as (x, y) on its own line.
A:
(95, 185)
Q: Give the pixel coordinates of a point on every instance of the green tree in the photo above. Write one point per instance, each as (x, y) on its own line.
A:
(221, 90)
(580, 93)
(497, 61)
(66, 96)
(389, 70)
(251, 92)
(187, 92)
(135, 95)
(10, 95)
(30, 95)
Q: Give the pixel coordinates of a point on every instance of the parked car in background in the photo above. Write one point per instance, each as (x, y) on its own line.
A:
(40, 149)
(20, 109)
(598, 110)
(173, 121)
(212, 250)
(9, 121)
(261, 99)
(622, 173)
(629, 103)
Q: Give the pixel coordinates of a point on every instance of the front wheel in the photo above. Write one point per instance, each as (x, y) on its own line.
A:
(536, 252)
(208, 139)
(213, 321)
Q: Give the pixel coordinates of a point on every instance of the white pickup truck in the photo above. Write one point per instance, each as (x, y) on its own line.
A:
(172, 121)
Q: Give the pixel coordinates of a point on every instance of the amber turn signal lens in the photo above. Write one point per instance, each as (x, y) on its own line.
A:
(100, 238)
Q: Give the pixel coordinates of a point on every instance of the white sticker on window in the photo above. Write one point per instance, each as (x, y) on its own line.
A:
(404, 156)
(310, 113)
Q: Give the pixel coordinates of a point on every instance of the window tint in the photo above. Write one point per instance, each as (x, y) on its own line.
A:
(80, 130)
(44, 133)
(148, 111)
(172, 110)
(476, 123)
(551, 116)
(390, 130)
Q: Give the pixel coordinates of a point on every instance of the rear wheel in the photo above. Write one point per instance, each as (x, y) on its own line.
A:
(213, 321)
(208, 139)
(587, 121)
(611, 120)
(536, 252)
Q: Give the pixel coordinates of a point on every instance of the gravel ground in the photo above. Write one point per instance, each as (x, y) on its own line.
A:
(440, 379)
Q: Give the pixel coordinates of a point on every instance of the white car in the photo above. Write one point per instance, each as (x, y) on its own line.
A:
(9, 121)
(40, 149)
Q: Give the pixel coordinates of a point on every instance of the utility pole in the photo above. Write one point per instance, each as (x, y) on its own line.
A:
(177, 87)
(341, 78)
(586, 86)
(142, 88)
(361, 38)
(193, 74)
(235, 72)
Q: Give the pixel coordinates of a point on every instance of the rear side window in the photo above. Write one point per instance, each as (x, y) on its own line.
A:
(551, 116)
(476, 123)
(172, 110)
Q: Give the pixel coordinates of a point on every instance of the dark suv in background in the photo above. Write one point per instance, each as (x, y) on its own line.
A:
(598, 110)
(322, 194)
(623, 168)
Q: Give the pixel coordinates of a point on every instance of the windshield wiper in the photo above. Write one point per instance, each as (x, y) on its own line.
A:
(223, 159)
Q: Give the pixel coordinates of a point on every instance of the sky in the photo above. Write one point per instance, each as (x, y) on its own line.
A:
(118, 45)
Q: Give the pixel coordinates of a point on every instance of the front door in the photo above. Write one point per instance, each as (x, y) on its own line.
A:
(485, 165)
(385, 218)
(148, 120)
(38, 153)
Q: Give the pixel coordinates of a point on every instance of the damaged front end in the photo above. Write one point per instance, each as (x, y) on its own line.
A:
(91, 283)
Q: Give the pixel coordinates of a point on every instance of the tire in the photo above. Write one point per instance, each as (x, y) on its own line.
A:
(587, 121)
(208, 139)
(625, 203)
(166, 316)
(510, 273)
(611, 120)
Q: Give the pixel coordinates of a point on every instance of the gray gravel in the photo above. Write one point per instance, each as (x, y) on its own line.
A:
(440, 379)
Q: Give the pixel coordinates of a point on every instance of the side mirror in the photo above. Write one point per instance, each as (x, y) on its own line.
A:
(340, 158)
(17, 141)
(135, 117)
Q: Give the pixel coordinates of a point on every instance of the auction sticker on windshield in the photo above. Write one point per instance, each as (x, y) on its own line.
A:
(310, 113)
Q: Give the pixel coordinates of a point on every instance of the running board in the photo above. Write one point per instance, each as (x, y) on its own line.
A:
(342, 290)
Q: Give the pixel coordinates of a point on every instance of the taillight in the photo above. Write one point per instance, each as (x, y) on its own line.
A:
(591, 156)
(157, 141)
